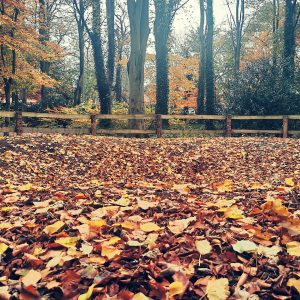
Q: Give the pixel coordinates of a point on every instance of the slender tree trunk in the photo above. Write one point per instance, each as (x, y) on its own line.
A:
(80, 28)
(110, 12)
(275, 28)
(7, 91)
(44, 38)
(118, 85)
(102, 83)
(239, 17)
(210, 75)
(138, 11)
(202, 67)
(161, 32)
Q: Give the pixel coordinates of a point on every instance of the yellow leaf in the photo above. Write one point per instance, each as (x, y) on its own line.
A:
(140, 296)
(31, 278)
(86, 249)
(294, 283)
(97, 260)
(218, 289)
(292, 225)
(224, 187)
(6, 225)
(88, 294)
(203, 247)
(145, 204)
(26, 187)
(67, 242)
(54, 261)
(275, 205)
(3, 248)
(234, 212)
(244, 246)
(149, 227)
(97, 223)
(113, 240)
(50, 229)
(178, 226)
(289, 182)
(110, 252)
(176, 288)
(293, 248)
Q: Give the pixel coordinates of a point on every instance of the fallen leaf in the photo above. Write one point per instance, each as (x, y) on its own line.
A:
(140, 296)
(176, 288)
(218, 289)
(203, 247)
(244, 246)
(67, 242)
(53, 228)
(150, 227)
(31, 278)
(293, 248)
(3, 248)
(294, 283)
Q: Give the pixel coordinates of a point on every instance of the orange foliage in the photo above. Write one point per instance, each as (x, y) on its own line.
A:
(19, 34)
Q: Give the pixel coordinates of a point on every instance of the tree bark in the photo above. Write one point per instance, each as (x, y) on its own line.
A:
(210, 75)
(80, 27)
(275, 29)
(110, 13)
(161, 32)
(102, 83)
(138, 11)
(201, 82)
(289, 39)
(44, 38)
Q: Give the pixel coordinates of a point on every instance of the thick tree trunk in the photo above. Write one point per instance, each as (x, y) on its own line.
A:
(161, 32)
(102, 83)
(210, 75)
(201, 82)
(138, 11)
(80, 28)
(289, 40)
(110, 12)
(44, 38)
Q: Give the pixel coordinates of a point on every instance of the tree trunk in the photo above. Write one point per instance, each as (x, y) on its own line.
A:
(289, 40)
(7, 91)
(210, 75)
(102, 83)
(138, 11)
(118, 85)
(44, 38)
(80, 28)
(275, 29)
(110, 13)
(201, 82)
(161, 32)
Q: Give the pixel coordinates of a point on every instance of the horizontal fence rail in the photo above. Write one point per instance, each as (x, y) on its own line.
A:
(157, 121)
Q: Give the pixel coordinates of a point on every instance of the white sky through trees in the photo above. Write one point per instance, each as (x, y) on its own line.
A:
(189, 16)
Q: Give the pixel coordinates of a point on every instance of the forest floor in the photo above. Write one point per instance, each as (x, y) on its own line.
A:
(112, 218)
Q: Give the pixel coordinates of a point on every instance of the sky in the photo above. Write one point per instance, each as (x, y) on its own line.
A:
(190, 15)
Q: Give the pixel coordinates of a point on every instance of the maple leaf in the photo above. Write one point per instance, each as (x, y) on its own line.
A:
(218, 289)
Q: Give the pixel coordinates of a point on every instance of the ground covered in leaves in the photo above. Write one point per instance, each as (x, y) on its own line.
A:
(111, 218)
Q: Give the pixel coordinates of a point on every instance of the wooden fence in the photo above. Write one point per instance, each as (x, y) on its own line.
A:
(158, 130)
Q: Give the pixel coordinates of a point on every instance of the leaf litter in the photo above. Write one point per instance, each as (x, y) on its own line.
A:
(110, 218)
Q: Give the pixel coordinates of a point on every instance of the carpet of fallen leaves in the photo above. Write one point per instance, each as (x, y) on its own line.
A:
(112, 218)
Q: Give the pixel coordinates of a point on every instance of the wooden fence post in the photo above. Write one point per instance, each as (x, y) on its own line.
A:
(19, 122)
(285, 127)
(159, 126)
(93, 125)
(229, 126)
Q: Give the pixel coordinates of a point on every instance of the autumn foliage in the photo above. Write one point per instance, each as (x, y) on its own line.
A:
(108, 218)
